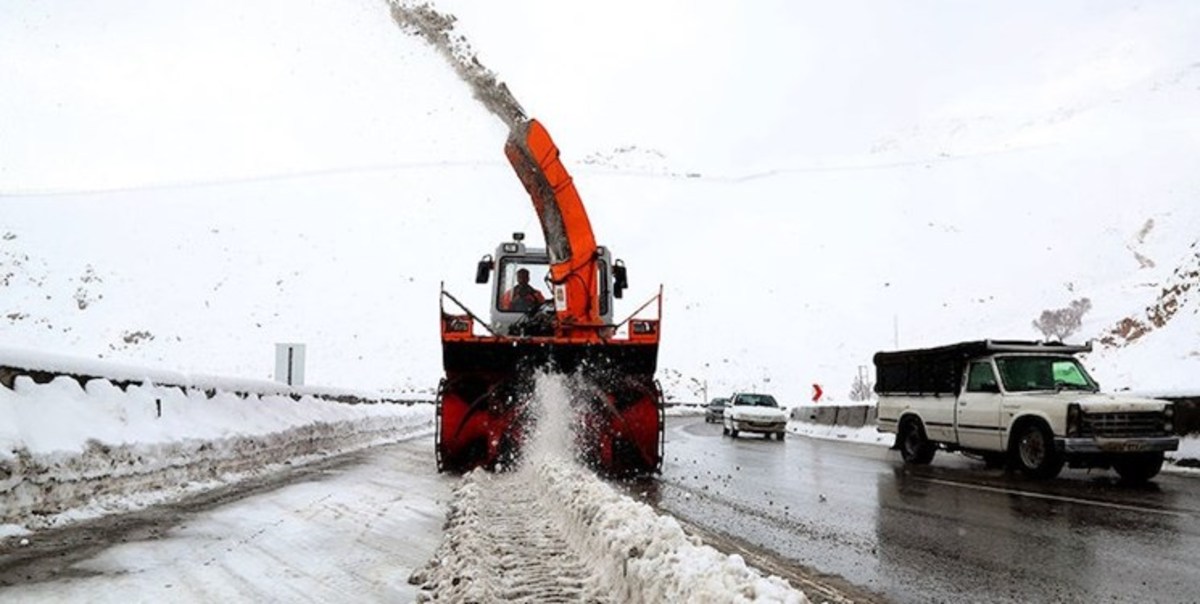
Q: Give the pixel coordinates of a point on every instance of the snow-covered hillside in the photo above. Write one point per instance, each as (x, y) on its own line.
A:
(810, 183)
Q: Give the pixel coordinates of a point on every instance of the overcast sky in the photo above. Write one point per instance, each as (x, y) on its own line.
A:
(124, 93)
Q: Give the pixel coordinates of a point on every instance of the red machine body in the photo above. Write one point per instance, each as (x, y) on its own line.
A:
(483, 413)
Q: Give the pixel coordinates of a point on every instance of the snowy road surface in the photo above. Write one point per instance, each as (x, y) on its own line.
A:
(953, 531)
(361, 526)
(350, 530)
(365, 525)
(270, 497)
(284, 498)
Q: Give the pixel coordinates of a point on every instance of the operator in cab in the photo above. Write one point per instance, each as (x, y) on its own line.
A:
(523, 297)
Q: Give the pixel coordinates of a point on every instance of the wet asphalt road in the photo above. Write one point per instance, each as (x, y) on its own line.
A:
(949, 532)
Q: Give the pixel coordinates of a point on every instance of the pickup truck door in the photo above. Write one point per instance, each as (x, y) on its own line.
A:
(977, 414)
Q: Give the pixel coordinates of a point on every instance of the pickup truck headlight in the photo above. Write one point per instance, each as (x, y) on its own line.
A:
(1169, 411)
(1073, 419)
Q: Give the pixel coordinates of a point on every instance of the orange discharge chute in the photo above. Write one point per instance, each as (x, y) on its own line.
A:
(565, 224)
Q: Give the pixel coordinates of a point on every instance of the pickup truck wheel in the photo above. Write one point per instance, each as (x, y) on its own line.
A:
(733, 433)
(1139, 467)
(915, 448)
(1034, 453)
(779, 435)
(724, 430)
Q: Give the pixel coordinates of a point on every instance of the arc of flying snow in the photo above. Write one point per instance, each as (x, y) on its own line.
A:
(437, 29)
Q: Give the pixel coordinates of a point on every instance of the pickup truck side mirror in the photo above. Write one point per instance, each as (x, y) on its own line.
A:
(483, 269)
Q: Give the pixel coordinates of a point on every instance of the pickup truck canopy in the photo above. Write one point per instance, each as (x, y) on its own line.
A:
(937, 371)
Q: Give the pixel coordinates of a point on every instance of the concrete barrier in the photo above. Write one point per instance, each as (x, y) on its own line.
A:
(825, 415)
(851, 416)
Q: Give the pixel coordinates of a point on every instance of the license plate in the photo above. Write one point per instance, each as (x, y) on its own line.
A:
(1121, 446)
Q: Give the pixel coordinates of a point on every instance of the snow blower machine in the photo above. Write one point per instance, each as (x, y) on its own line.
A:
(551, 310)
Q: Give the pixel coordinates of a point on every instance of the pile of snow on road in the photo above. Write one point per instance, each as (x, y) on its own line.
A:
(629, 553)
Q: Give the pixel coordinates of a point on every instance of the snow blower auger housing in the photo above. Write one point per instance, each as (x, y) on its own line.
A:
(551, 309)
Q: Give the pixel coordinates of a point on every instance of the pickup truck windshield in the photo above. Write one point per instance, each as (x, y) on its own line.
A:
(1026, 373)
(757, 400)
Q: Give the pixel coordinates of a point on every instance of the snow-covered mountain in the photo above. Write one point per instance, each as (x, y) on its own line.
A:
(810, 184)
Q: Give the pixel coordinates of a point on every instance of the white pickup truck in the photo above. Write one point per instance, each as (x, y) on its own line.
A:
(1030, 404)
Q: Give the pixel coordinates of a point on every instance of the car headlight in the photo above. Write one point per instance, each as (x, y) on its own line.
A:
(1169, 411)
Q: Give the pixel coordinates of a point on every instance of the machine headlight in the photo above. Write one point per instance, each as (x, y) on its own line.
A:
(642, 327)
(1169, 411)
(1168, 427)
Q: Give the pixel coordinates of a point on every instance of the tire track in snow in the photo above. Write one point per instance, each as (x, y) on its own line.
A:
(503, 544)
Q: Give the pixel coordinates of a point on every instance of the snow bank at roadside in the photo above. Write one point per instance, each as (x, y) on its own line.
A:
(69, 452)
(864, 434)
(684, 411)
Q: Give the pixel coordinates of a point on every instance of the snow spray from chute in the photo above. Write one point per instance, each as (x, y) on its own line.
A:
(437, 29)
(562, 426)
(554, 419)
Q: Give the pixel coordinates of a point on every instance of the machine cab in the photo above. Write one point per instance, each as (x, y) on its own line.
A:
(523, 300)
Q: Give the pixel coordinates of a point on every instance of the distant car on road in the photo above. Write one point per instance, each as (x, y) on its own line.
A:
(715, 410)
(750, 412)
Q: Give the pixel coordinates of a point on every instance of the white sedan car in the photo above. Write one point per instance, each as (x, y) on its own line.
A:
(748, 412)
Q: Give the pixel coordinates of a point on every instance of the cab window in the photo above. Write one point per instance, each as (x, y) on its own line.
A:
(522, 285)
(981, 378)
